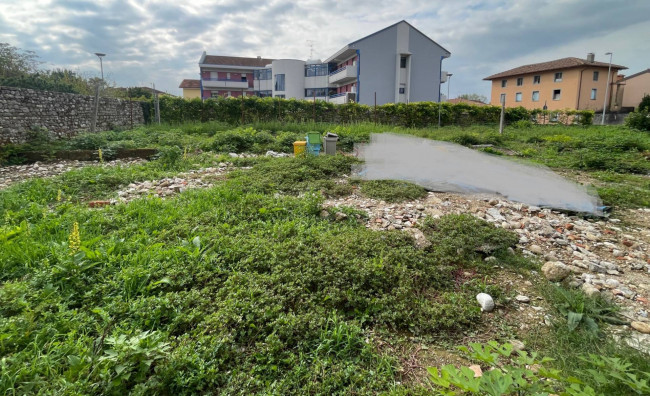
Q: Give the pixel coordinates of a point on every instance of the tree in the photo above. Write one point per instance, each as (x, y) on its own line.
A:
(15, 62)
(645, 103)
(476, 97)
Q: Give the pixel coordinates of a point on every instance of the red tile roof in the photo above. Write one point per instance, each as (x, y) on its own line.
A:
(236, 61)
(190, 84)
(564, 63)
(636, 74)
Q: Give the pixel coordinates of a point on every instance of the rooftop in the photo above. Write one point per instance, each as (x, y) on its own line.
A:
(235, 61)
(187, 83)
(636, 74)
(564, 63)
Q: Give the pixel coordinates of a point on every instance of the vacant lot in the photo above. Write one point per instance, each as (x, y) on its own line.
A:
(213, 273)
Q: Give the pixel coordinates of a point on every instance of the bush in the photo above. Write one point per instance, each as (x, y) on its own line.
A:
(645, 103)
(639, 120)
(392, 190)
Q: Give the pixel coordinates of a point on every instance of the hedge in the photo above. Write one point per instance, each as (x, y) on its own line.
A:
(418, 114)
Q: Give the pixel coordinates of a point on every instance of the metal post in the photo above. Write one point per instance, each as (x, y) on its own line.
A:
(93, 124)
(375, 107)
(609, 72)
(502, 118)
(314, 108)
(448, 85)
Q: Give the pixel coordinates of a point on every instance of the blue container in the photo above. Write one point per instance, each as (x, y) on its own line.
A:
(313, 148)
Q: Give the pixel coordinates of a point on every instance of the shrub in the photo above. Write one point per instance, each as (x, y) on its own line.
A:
(645, 103)
(639, 120)
(392, 190)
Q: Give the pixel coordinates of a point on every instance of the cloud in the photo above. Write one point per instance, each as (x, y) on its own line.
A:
(161, 41)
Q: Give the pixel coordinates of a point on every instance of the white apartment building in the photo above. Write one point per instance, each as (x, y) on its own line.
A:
(398, 64)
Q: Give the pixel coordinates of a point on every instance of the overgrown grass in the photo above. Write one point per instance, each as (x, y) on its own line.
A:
(392, 190)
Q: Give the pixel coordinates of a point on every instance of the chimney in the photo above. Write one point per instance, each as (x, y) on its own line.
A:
(590, 57)
(259, 57)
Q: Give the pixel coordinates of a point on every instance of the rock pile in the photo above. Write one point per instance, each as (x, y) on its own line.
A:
(601, 256)
(19, 173)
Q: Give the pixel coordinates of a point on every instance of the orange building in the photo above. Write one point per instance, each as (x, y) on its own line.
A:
(567, 83)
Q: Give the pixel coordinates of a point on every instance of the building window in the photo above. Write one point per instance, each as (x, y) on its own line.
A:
(594, 92)
(279, 82)
(518, 97)
(596, 76)
(243, 78)
(537, 79)
(520, 81)
(558, 77)
(319, 69)
(556, 94)
(402, 62)
(318, 92)
(263, 94)
(264, 74)
(402, 90)
(503, 98)
(535, 96)
(504, 83)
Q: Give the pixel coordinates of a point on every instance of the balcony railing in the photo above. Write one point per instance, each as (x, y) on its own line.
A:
(213, 82)
(344, 74)
(343, 97)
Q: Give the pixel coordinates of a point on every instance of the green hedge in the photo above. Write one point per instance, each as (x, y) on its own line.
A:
(419, 114)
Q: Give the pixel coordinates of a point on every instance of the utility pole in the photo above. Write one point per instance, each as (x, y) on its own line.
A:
(93, 124)
(609, 73)
(502, 118)
(156, 103)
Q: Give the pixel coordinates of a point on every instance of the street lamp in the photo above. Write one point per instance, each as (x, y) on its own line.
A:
(609, 72)
(101, 65)
(448, 84)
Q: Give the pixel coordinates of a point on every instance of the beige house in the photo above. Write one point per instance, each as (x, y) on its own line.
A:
(630, 90)
(567, 83)
(191, 89)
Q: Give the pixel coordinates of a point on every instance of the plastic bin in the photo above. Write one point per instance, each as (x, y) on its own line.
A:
(313, 149)
(330, 143)
(299, 147)
(313, 138)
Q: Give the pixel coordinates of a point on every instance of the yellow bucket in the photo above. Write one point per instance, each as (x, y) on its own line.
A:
(299, 147)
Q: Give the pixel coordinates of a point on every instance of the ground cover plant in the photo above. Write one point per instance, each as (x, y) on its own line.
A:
(248, 287)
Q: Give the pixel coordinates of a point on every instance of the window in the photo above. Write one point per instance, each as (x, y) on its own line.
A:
(317, 92)
(556, 94)
(594, 92)
(595, 76)
(243, 78)
(558, 77)
(402, 90)
(520, 81)
(263, 94)
(264, 74)
(503, 98)
(504, 83)
(402, 62)
(537, 79)
(279, 82)
(320, 69)
(535, 96)
(518, 97)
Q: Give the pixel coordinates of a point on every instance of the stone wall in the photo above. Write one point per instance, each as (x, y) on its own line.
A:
(62, 114)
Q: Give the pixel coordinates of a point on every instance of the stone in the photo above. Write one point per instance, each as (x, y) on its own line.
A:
(324, 213)
(641, 327)
(340, 216)
(419, 207)
(421, 241)
(522, 299)
(536, 249)
(589, 290)
(517, 345)
(477, 370)
(486, 302)
(555, 271)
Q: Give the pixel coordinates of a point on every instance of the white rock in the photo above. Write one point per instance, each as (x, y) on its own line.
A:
(486, 302)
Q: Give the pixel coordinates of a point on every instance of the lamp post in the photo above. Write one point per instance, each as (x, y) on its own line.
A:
(93, 124)
(448, 84)
(101, 64)
(609, 72)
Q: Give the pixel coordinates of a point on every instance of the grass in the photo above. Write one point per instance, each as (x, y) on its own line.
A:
(245, 288)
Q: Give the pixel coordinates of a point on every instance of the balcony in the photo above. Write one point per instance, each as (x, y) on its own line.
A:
(343, 98)
(344, 75)
(224, 83)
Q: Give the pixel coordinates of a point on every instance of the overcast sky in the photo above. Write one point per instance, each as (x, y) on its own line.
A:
(162, 41)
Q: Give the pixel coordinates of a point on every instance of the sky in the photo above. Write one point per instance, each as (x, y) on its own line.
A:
(161, 41)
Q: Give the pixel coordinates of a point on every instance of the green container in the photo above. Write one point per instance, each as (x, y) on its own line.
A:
(314, 138)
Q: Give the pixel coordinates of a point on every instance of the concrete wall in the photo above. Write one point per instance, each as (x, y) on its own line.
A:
(191, 93)
(635, 89)
(377, 67)
(424, 75)
(294, 77)
(63, 114)
(575, 89)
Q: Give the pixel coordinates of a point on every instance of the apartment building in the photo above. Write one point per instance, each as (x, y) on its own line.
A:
(567, 83)
(396, 64)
